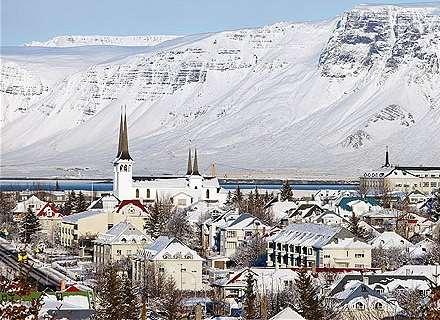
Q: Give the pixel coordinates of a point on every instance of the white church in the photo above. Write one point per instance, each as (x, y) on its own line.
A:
(183, 191)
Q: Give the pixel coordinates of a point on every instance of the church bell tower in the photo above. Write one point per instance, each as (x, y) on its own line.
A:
(123, 165)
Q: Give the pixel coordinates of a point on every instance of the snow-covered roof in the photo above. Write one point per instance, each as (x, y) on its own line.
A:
(245, 221)
(429, 271)
(307, 234)
(73, 218)
(347, 243)
(22, 205)
(123, 232)
(170, 248)
(390, 239)
(287, 314)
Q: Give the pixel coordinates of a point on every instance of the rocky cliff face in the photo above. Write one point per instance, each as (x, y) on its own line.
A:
(382, 38)
(310, 98)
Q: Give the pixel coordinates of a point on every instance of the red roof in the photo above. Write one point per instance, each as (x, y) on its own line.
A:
(134, 202)
(42, 212)
(72, 288)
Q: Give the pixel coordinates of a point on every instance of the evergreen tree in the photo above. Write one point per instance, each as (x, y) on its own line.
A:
(80, 203)
(130, 307)
(229, 198)
(109, 300)
(7, 204)
(354, 226)
(69, 205)
(309, 304)
(250, 311)
(436, 206)
(158, 215)
(237, 199)
(286, 192)
(29, 226)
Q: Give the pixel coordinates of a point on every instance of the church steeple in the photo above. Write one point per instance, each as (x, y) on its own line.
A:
(189, 166)
(123, 153)
(387, 159)
(195, 170)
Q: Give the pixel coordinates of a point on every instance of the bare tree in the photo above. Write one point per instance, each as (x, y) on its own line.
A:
(412, 302)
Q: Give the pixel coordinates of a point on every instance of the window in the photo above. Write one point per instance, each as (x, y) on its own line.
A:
(181, 202)
(161, 269)
(118, 252)
(360, 306)
(379, 306)
(207, 194)
(327, 256)
(231, 245)
(231, 234)
(124, 240)
(137, 193)
(148, 193)
(310, 251)
(359, 255)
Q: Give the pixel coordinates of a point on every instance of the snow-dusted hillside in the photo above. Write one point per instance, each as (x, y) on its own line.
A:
(301, 99)
(76, 41)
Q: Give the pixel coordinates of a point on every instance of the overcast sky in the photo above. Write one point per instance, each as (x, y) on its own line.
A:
(26, 20)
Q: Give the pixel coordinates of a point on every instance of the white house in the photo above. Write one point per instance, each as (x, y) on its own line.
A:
(32, 203)
(390, 240)
(174, 259)
(121, 241)
(238, 231)
(347, 253)
(181, 190)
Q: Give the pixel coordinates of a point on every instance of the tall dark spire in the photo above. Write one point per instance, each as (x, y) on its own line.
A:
(387, 158)
(123, 140)
(189, 167)
(195, 170)
(120, 137)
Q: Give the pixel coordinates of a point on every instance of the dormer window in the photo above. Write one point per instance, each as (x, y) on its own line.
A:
(124, 240)
(360, 306)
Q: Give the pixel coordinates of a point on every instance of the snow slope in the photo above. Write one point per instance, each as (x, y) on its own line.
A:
(299, 99)
(75, 41)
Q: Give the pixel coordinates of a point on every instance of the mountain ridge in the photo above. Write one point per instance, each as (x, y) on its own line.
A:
(253, 100)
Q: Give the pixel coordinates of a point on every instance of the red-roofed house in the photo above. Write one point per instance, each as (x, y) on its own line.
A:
(50, 220)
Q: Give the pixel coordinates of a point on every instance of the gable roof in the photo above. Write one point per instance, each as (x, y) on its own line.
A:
(134, 202)
(170, 248)
(372, 279)
(344, 202)
(287, 314)
(309, 234)
(73, 218)
(123, 230)
(355, 290)
(51, 206)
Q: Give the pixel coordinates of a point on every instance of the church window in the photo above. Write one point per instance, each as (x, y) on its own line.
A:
(125, 168)
(207, 194)
(121, 167)
(148, 193)
(137, 193)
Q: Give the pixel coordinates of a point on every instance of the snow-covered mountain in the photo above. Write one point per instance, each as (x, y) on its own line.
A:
(75, 41)
(300, 99)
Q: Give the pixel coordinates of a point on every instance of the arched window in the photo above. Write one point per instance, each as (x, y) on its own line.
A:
(137, 193)
(124, 240)
(148, 193)
(133, 241)
(167, 256)
(125, 168)
(360, 306)
(379, 305)
(207, 194)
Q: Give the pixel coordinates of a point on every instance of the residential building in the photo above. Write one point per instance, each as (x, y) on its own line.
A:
(390, 240)
(238, 231)
(305, 212)
(347, 253)
(50, 220)
(32, 203)
(174, 259)
(265, 280)
(301, 245)
(121, 241)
